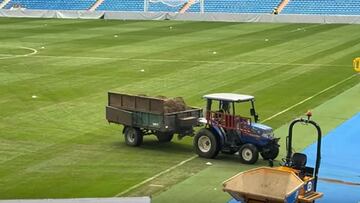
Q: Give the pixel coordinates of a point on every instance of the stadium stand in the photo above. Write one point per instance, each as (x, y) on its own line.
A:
(122, 5)
(319, 7)
(323, 7)
(52, 4)
(138, 5)
(242, 6)
(224, 6)
(158, 7)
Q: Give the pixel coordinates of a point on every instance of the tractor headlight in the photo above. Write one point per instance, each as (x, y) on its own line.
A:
(268, 135)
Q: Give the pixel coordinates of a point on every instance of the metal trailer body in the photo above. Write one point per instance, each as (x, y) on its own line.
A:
(143, 115)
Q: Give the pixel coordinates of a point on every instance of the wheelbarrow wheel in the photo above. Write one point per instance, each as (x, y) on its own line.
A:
(271, 154)
(164, 137)
(249, 154)
(205, 144)
(133, 136)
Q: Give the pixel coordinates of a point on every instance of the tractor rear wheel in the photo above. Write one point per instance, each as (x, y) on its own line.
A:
(271, 154)
(164, 137)
(205, 144)
(133, 136)
(249, 154)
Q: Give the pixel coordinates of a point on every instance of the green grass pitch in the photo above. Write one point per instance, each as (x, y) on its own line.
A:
(55, 74)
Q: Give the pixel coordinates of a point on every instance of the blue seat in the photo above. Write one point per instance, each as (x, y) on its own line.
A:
(323, 7)
(52, 4)
(122, 5)
(317, 7)
(241, 6)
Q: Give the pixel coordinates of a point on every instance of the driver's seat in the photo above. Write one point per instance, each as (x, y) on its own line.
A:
(298, 161)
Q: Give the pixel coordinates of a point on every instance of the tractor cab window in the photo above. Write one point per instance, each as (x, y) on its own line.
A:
(245, 109)
(224, 107)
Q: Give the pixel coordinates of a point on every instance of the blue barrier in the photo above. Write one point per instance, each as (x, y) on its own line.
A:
(339, 176)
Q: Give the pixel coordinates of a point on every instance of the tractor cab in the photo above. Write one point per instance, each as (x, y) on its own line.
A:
(226, 105)
(232, 132)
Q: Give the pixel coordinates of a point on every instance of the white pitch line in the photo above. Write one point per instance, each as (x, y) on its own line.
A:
(267, 119)
(307, 99)
(189, 61)
(155, 176)
(33, 52)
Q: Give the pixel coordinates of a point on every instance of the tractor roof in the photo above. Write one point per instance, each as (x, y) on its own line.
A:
(229, 97)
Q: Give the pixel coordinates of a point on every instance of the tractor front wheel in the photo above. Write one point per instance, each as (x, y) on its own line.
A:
(206, 144)
(271, 154)
(249, 154)
(133, 136)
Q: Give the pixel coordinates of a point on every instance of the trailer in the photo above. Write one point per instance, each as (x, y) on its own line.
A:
(143, 115)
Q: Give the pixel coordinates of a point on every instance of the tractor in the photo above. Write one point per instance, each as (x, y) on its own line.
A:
(226, 132)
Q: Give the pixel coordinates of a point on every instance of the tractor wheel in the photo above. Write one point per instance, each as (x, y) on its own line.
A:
(272, 154)
(133, 136)
(249, 154)
(206, 144)
(164, 137)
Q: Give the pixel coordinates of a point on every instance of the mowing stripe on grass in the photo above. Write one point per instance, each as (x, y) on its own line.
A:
(309, 98)
(189, 61)
(155, 176)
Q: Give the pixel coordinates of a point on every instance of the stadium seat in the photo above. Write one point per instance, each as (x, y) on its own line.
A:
(241, 6)
(323, 7)
(52, 4)
(317, 7)
(122, 5)
(224, 6)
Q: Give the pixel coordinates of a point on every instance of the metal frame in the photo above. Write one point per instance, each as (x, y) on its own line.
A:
(318, 150)
(231, 100)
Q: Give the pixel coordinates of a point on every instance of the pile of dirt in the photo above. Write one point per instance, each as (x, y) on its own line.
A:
(174, 105)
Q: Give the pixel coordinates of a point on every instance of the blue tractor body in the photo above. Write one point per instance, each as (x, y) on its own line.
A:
(229, 133)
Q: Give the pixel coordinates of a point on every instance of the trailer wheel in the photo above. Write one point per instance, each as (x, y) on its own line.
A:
(164, 137)
(249, 154)
(206, 144)
(133, 136)
(272, 154)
